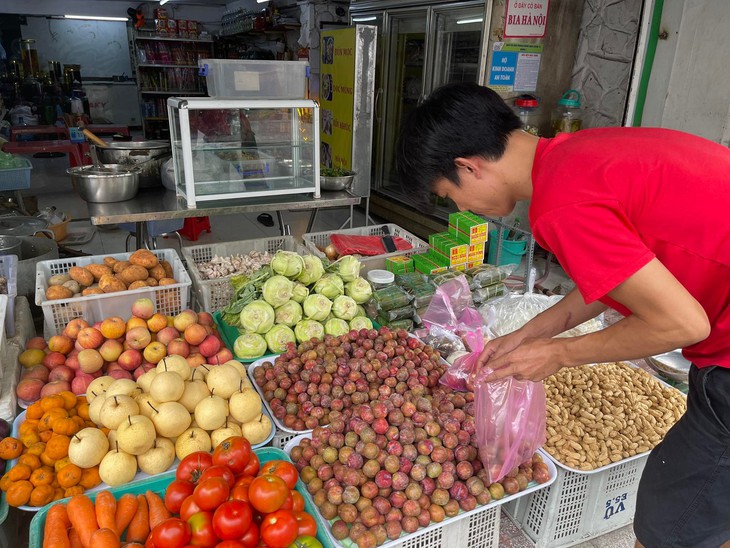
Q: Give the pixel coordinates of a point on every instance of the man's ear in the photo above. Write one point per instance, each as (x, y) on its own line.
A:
(467, 164)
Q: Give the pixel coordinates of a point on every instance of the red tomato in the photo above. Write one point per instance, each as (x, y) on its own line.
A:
(234, 452)
(232, 519)
(251, 537)
(219, 471)
(285, 470)
(288, 503)
(176, 493)
(267, 493)
(243, 480)
(279, 529)
(240, 492)
(298, 501)
(193, 466)
(307, 525)
(188, 508)
(252, 468)
(231, 544)
(201, 526)
(211, 493)
(171, 533)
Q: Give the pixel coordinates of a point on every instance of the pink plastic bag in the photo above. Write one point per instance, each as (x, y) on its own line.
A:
(510, 414)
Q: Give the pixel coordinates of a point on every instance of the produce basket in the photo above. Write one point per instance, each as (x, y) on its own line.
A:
(315, 240)
(16, 178)
(478, 528)
(9, 270)
(160, 483)
(229, 334)
(4, 305)
(215, 294)
(169, 299)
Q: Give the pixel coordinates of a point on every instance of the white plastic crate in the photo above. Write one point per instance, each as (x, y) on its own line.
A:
(168, 299)
(9, 269)
(281, 438)
(315, 240)
(216, 294)
(580, 506)
(255, 79)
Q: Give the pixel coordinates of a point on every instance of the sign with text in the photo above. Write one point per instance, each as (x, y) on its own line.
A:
(526, 18)
(336, 97)
(502, 71)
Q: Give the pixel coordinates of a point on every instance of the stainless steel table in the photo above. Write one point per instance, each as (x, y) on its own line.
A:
(160, 204)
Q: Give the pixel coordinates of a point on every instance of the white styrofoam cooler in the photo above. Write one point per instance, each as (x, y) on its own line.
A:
(9, 269)
(255, 79)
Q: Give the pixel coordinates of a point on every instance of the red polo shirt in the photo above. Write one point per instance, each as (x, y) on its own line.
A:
(607, 201)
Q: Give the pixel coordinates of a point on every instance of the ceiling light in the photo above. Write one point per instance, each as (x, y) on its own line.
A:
(467, 21)
(362, 19)
(95, 18)
(261, 1)
(163, 2)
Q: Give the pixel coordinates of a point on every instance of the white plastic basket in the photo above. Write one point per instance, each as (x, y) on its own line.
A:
(580, 506)
(213, 295)
(9, 269)
(169, 299)
(315, 240)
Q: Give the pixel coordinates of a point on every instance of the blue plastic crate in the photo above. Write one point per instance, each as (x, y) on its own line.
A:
(17, 178)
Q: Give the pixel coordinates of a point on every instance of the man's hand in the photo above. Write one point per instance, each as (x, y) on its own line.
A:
(532, 359)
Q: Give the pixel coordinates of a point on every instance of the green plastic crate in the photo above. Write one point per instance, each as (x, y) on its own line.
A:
(158, 485)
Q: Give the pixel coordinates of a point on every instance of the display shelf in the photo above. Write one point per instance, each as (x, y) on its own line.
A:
(173, 39)
(163, 65)
(173, 92)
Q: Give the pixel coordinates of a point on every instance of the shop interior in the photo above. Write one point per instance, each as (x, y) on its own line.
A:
(212, 132)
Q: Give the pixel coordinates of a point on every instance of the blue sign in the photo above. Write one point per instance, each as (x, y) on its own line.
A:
(502, 71)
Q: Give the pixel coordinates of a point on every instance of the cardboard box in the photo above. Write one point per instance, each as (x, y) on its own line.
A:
(475, 252)
(399, 265)
(468, 228)
(454, 252)
(160, 13)
(426, 263)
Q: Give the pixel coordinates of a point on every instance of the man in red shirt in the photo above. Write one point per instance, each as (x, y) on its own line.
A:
(638, 218)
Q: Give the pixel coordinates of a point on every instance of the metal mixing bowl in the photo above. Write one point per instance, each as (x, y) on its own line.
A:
(336, 183)
(671, 364)
(111, 183)
(149, 155)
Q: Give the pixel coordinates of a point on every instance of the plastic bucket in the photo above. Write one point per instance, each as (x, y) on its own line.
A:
(512, 251)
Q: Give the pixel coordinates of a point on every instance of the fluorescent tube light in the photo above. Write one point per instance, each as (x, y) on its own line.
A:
(95, 18)
(163, 2)
(362, 19)
(261, 1)
(467, 21)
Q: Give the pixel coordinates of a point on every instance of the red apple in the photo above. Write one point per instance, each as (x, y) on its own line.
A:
(54, 388)
(113, 366)
(40, 372)
(143, 308)
(80, 383)
(185, 319)
(195, 334)
(130, 359)
(137, 373)
(61, 343)
(121, 374)
(110, 350)
(138, 338)
(154, 352)
(90, 337)
(194, 360)
(61, 373)
(210, 346)
(72, 361)
(205, 318)
(157, 322)
(179, 347)
(167, 334)
(222, 356)
(36, 342)
(74, 326)
(113, 327)
(53, 359)
(90, 360)
(29, 390)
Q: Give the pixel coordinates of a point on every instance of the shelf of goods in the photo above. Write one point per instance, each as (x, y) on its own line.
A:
(585, 503)
(315, 242)
(166, 66)
(169, 299)
(159, 484)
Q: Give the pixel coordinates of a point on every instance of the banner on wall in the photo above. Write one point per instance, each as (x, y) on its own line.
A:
(525, 18)
(337, 97)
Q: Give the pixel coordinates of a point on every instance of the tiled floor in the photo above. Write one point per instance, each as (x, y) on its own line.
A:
(51, 186)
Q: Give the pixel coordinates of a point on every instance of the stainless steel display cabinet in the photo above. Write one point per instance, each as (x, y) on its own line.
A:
(225, 149)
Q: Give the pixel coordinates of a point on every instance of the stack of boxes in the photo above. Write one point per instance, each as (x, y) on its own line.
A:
(399, 265)
(460, 248)
(174, 28)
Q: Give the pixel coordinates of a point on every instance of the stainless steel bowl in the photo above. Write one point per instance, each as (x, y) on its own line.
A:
(111, 183)
(10, 245)
(149, 155)
(336, 183)
(671, 364)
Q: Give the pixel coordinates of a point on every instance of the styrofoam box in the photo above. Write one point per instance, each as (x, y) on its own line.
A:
(580, 506)
(215, 294)
(168, 299)
(9, 269)
(315, 240)
(255, 79)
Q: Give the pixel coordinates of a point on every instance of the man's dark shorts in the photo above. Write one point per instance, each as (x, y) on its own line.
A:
(684, 492)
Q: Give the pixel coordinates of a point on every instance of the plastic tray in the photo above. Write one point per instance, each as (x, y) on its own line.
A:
(229, 334)
(158, 484)
(16, 178)
(315, 240)
(169, 299)
(405, 538)
(279, 426)
(9, 269)
(215, 294)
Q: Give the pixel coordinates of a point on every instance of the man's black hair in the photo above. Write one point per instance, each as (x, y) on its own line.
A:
(456, 121)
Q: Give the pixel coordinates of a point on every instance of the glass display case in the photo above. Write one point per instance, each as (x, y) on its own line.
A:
(233, 148)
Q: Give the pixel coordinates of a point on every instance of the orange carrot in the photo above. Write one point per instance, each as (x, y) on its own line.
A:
(55, 533)
(74, 539)
(158, 512)
(105, 538)
(139, 527)
(83, 518)
(126, 508)
(106, 510)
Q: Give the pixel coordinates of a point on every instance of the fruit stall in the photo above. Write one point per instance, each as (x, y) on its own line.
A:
(291, 393)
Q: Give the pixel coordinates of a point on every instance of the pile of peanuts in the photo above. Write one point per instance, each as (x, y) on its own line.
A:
(601, 414)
